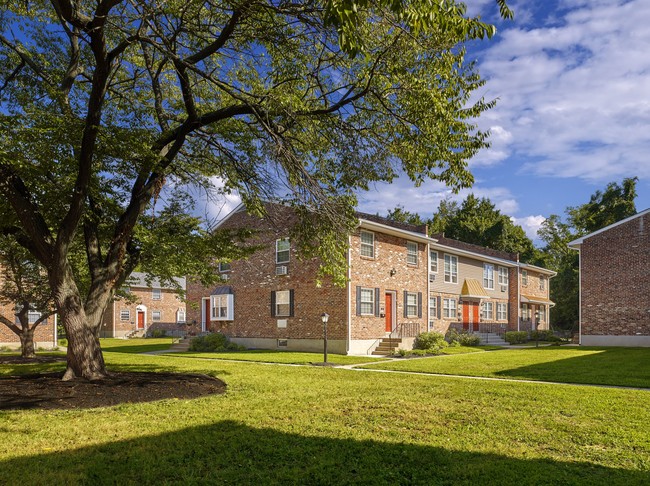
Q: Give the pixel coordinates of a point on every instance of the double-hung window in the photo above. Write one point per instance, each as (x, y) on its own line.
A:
(283, 303)
(411, 304)
(367, 244)
(488, 311)
(125, 315)
(503, 276)
(451, 269)
(433, 261)
(449, 308)
(33, 316)
(156, 294)
(224, 267)
(180, 315)
(488, 276)
(542, 313)
(367, 305)
(411, 253)
(524, 277)
(156, 315)
(502, 311)
(222, 306)
(542, 283)
(282, 250)
(433, 307)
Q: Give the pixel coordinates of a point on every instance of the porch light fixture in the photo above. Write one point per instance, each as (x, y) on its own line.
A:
(325, 317)
(392, 272)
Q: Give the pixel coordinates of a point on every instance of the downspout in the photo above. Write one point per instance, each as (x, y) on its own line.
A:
(56, 333)
(579, 296)
(349, 302)
(428, 269)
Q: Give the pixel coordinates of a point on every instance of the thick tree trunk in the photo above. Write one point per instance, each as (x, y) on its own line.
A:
(85, 358)
(27, 342)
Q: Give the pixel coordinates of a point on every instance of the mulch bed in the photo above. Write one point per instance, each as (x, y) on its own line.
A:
(48, 391)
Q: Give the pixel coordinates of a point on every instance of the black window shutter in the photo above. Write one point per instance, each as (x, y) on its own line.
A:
(420, 305)
(273, 303)
(439, 306)
(406, 312)
(291, 303)
(358, 300)
(376, 301)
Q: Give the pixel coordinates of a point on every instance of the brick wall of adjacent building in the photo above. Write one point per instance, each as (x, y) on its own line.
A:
(513, 298)
(254, 279)
(390, 254)
(43, 336)
(169, 304)
(615, 280)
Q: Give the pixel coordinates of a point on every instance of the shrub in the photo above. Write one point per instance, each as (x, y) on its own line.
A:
(215, 342)
(158, 333)
(541, 335)
(461, 338)
(516, 337)
(428, 340)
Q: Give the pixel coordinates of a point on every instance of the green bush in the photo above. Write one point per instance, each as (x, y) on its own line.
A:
(461, 338)
(516, 337)
(158, 333)
(428, 340)
(215, 342)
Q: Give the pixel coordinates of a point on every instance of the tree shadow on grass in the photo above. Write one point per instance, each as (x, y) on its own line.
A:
(137, 349)
(228, 452)
(597, 366)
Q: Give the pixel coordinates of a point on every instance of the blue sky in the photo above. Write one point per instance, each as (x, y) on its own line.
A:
(572, 80)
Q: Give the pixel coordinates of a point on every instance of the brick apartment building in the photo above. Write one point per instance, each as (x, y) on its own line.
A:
(615, 283)
(151, 306)
(400, 282)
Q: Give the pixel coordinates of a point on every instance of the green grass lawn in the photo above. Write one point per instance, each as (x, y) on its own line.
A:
(314, 425)
(135, 345)
(603, 366)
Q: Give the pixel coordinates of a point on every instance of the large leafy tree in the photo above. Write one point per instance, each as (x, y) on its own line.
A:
(606, 207)
(477, 221)
(113, 108)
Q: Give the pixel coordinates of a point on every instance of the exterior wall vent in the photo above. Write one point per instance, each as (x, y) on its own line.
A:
(432, 277)
(283, 343)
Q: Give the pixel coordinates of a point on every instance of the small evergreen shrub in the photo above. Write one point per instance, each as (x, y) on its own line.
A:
(516, 337)
(158, 333)
(461, 338)
(215, 342)
(428, 340)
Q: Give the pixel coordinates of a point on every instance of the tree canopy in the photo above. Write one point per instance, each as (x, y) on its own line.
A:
(113, 109)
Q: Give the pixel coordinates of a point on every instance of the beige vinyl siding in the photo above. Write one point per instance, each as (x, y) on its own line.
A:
(467, 268)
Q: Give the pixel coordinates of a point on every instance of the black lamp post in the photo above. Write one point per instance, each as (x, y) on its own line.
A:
(325, 317)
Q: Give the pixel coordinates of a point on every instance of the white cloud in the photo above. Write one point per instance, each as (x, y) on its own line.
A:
(530, 224)
(573, 96)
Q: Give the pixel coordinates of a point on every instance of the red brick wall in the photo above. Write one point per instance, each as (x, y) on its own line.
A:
(615, 280)
(44, 334)
(253, 280)
(390, 253)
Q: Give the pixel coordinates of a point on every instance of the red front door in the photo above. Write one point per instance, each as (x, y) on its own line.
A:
(207, 314)
(470, 316)
(389, 312)
(140, 320)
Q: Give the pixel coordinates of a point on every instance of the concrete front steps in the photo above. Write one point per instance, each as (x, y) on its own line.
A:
(492, 339)
(180, 346)
(387, 347)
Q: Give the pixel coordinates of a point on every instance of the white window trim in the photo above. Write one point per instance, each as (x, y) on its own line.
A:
(366, 245)
(433, 260)
(409, 306)
(179, 313)
(503, 276)
(278, 303)
(524, 277)
(490, 306)
(128, 315)
(433, 309)
(488, 276)
(156, 294)
(278, 251)
(371, 292)
(229, 307)
(502, 309)
(410, 254)
(453, 276)
(222, 269)
(153, 316)
(542, 283)
(447, 308)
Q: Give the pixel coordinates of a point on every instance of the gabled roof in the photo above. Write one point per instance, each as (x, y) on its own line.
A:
(536, 300)
(575, 244)
(473, 289)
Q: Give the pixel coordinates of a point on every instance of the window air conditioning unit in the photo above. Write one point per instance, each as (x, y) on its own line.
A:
(281, 270)
(432, 277)
(503, 288)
